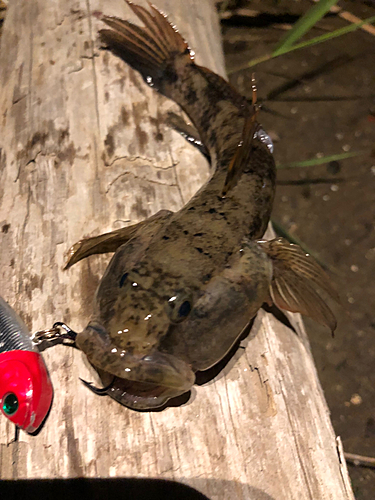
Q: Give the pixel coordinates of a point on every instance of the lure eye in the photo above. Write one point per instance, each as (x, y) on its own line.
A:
(179, 306)
(10, 404)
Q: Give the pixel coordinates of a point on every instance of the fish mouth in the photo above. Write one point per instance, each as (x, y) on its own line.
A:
(137, 395)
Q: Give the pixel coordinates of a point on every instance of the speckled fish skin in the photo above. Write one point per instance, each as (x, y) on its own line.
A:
(179, 291)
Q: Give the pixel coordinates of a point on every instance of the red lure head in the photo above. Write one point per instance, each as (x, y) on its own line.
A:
(25, 389)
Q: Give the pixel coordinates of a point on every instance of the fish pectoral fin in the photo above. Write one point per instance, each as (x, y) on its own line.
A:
(108, 242)
(188, 132)
(295, 276)
(242, 153)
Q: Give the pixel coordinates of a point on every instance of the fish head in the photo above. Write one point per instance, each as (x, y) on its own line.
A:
(154, 326)
(25, 389)
(136, 304)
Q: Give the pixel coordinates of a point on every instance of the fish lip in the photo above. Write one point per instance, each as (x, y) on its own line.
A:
(139, 395)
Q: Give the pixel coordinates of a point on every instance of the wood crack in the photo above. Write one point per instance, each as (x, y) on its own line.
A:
(175, 176)
(138, 157)
(95, 81)
(291, 423)
(123, 174)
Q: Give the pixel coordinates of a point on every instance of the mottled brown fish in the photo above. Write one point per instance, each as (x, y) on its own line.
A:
(182, 286)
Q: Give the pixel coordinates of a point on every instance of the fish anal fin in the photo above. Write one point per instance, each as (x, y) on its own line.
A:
(295, 277)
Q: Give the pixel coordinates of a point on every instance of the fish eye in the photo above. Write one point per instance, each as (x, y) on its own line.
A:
(184, 309)
(10, 404)
(179, 306)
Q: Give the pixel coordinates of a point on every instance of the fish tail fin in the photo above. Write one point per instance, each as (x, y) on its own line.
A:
(152, 50)
(295, 276)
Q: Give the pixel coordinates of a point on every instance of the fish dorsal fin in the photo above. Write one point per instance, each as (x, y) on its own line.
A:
(295, 276)
(242, 153)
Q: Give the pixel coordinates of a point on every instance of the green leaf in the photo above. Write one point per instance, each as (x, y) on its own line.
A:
(303, 25)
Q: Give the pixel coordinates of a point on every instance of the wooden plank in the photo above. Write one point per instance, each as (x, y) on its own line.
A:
(84, 150)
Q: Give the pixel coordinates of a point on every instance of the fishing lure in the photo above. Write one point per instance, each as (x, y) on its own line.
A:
(25, 387)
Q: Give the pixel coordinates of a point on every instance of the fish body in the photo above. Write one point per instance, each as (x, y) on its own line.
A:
(25, 388)
(182, 286)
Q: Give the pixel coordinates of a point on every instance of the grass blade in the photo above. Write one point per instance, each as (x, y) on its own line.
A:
(321, 161)
(307, 43)
(325, 37)
(303, 25)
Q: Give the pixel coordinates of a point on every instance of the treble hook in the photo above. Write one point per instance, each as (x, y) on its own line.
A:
(100, 391)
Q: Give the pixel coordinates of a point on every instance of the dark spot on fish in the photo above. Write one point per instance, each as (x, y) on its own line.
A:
(198, 234)
(165, 237)
(86, 45)
(159, 137)
(106, 96)
(11, 262)
(109, 144)
(123, 279)
(212, 211)
(212, 137)
(170, 74)
(158, 174)
(5, 228)
(200, 250)
(191, 96)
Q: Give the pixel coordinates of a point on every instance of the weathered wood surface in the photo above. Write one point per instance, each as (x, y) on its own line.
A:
(84, 150)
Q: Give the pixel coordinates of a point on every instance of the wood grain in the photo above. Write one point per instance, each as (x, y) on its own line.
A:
(84, 149)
